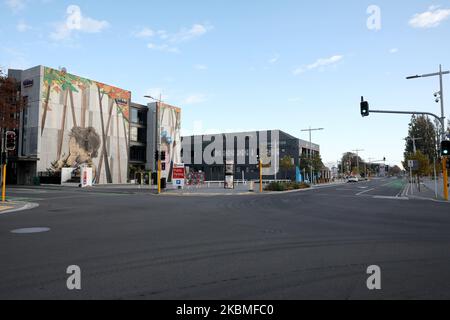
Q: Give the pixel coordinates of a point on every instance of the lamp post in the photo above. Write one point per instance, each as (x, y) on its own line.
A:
(357, 151)
(310, 148)
(157, 140)
(439, 99)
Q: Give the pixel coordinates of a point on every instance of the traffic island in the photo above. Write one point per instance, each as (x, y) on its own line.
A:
(16, 206)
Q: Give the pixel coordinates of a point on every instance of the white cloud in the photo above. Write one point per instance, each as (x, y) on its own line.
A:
(320, 63)
(274, 59)
(16, 5)
(201, 67)
(393, 50)
(186, 34)
(163, 47)
(76, 22)
(22, 26)
(169, 42)
(144, 33)
(429, 19)
(195, 99)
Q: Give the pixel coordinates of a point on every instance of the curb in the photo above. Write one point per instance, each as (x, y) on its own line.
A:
(248, 193)
(23, 206)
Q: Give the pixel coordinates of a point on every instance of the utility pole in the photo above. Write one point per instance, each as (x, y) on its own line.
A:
(3, 164)
(310, 149)
(440, 98)
(158, 139)
(357, 158)
(414, 143)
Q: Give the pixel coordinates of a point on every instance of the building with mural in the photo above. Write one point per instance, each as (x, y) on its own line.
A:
(71, 122)
(169, 132)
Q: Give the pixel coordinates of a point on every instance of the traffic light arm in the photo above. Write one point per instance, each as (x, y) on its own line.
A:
(441, 121)
(407, 112)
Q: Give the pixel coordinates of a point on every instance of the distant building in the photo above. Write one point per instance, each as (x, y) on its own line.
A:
(199, 154)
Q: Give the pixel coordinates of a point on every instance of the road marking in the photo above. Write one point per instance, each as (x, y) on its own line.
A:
(361, 193)
(30, 230)
(390, 198)
(5, 208)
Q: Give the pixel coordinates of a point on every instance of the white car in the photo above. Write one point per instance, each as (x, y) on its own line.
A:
(352, 179)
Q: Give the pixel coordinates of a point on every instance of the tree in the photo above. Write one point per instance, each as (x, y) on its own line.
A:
(11, 104)
(424, 163)
(317, 163)
(395, 171)
(425, 132)
(286, 164)
(350, 162)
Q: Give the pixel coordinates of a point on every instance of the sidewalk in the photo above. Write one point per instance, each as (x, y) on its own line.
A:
(15, 206)
(425, 192)
(430, 184)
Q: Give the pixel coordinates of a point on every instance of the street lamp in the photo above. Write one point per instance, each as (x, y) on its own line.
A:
(310, 148)
(157, 140)
(439, 98)
(357, 159)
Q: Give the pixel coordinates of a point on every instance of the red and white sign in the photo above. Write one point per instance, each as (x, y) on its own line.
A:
(179, 175)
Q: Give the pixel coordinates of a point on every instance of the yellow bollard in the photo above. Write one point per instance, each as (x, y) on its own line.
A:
(4, 184)
(159, 176)
(260, 177)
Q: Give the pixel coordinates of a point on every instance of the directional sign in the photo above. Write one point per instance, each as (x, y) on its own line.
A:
(413, 164)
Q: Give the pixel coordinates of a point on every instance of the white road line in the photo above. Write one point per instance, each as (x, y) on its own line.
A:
(365, 191)
(390, 198)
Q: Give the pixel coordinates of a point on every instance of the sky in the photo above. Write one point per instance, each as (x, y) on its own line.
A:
(250, 65)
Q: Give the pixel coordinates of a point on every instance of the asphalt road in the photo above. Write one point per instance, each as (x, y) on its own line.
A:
(313, 244)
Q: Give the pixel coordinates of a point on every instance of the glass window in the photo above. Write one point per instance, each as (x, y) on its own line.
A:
(134, 134)
(134, 115)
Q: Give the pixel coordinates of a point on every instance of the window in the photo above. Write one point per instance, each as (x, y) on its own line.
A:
(139, 116)
(134, 134)
(138, 154)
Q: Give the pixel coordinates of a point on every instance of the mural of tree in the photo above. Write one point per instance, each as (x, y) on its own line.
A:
(61, 82)
(116, 96)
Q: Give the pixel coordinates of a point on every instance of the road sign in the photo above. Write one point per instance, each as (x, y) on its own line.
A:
(179, 175)
(413, 164)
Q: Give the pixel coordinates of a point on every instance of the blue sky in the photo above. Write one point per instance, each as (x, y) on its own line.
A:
(247, 65)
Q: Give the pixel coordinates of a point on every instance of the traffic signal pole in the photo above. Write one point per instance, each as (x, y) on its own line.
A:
(441, 120)
(4, 184)
(260, 176)
(3, 165)
(445, 170)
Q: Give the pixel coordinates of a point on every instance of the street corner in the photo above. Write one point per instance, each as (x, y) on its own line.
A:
(14, 206)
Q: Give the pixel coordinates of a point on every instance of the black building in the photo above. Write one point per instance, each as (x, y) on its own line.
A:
(243, 148)
(138, 140)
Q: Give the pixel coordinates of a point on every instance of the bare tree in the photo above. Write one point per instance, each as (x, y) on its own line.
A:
(11, 104)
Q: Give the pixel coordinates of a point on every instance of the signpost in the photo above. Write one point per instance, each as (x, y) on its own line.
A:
(413, 165)
(179, 175)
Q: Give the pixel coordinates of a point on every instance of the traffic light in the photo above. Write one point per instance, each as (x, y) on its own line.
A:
(163, 156)
(365, 111)
(10, 141)
(156, 156)
(445, 148)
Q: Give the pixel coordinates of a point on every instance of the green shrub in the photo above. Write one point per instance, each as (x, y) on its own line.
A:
(286, 186)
